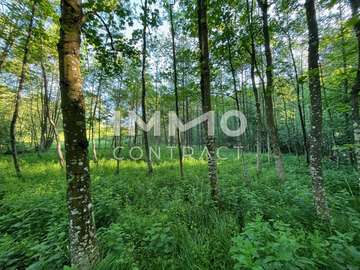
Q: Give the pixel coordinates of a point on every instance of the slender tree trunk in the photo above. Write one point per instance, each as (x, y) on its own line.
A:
(52, 123)
(233, 75)
(50, 136)
(118, 143)
(254, 87)
(99, 123)
(188, 132)
(166, 142)
(58, 144)
(143, 96)
(355, 6)
(117, 140)
(136, 128)
(279, 164)
(206, 96)
(83, 251)
(345, 81)
(268, 146)
(44, 144)
(19, 93)
(288, 140)
(176, 90)
(300, 108)
(328, 109)
(34, 138)
(92, 120)
(321, 206)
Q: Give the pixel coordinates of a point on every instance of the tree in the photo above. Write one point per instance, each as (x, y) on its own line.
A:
(50, 119)
(321, 206)
(272, 129)
(249, 9)
(298, 83)
(83, 252)
(206, 96)
(143, 86)
(175, 77)
(19, 91)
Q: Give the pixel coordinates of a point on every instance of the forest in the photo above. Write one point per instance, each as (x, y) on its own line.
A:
(168, 134)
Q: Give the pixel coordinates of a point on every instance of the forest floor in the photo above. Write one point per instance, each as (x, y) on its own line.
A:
(165, 222)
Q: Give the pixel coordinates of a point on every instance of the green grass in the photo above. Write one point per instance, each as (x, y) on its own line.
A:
(165, 222)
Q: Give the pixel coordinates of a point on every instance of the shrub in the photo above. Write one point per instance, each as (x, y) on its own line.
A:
(268, 246)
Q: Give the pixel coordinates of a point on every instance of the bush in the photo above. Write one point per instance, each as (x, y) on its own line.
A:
(268, 246)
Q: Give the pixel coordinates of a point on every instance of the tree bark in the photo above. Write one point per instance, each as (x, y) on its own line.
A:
(206, 96)
(321, 206)
(143, 81)
(279, 164)
(176, 90)
(83, 251)
(19, 93)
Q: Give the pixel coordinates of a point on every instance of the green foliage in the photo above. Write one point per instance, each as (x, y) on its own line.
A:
(275, 245)
(169, 223)
(268, 246)
(36, 237)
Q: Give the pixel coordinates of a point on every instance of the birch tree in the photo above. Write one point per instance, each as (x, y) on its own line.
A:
(320, 202)
(83, 252)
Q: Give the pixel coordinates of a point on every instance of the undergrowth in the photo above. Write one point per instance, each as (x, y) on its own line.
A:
(168, 222)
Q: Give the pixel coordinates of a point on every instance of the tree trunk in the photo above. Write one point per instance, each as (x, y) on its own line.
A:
(83, 251)
(328, 109)
(92, 120)
(188, 132)
(19, 93)
(279, 164)
(355, 6)
(45, 141)
(288, 140)
(300, 108)
(34, 137)
(176, 91)
(52, 123)
(206, 96)
(254, 87)
(321, 206)
(143, 96)
(233, 75)
(345, 81)
(99, 124)
(58, 143)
